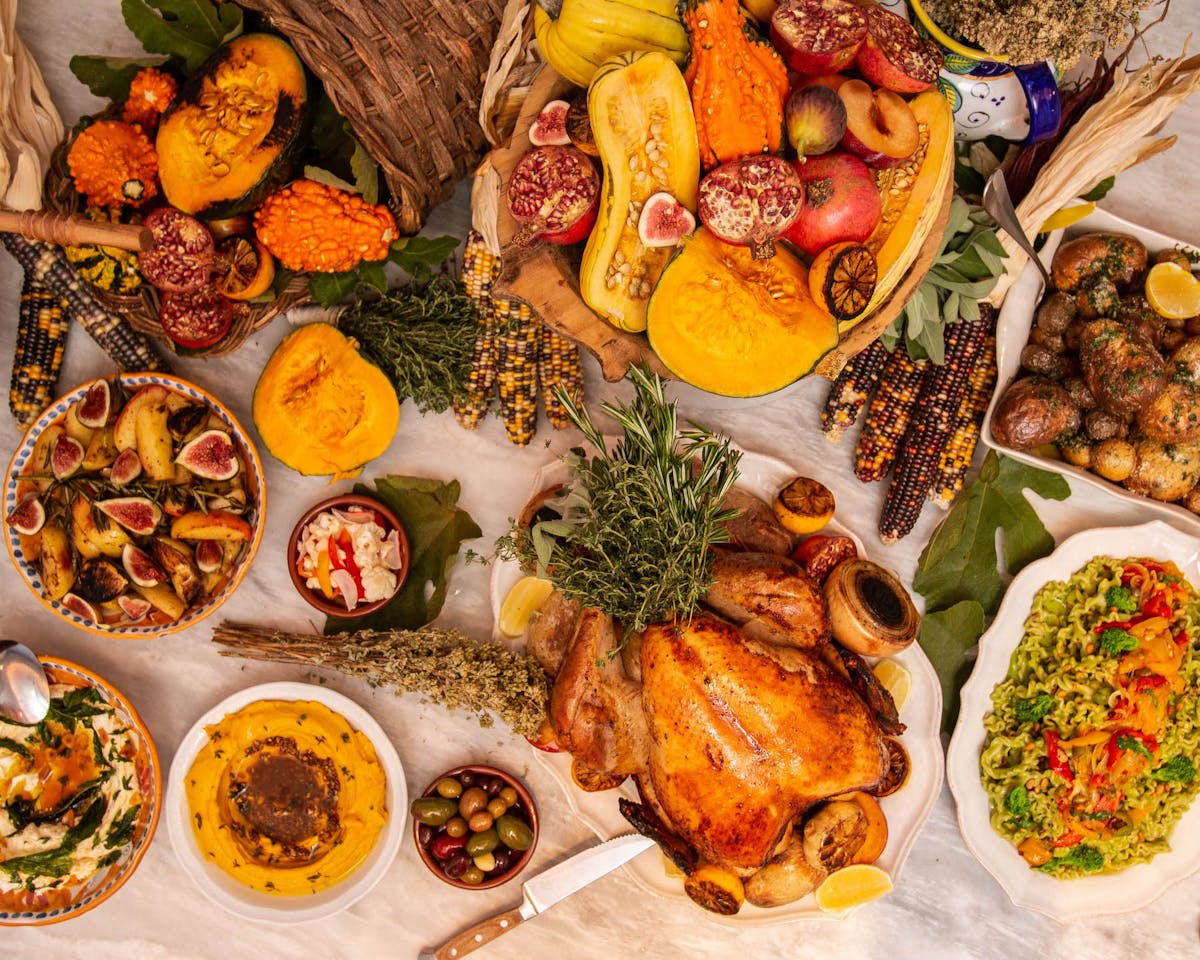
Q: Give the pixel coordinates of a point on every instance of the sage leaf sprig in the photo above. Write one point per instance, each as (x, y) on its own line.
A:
(637, 521)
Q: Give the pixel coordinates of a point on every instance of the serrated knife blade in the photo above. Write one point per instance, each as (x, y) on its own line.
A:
(542, 892)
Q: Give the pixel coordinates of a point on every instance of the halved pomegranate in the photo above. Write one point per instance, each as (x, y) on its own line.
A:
(554, 193)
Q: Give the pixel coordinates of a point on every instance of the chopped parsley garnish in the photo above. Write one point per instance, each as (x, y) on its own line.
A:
(120, 833)
(1125, 742)
(1122, 599)
(1032, 710)
(1175, 770)
(1114, 641)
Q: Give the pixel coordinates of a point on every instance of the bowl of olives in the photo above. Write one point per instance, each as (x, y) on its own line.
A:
(476, 826)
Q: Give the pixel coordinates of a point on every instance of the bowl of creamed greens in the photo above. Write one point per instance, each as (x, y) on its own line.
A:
(80, 796)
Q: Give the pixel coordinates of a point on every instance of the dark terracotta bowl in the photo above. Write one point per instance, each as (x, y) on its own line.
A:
(335, 608)
(524, 797)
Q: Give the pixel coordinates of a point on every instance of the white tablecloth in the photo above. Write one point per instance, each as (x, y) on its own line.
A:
(945, 904)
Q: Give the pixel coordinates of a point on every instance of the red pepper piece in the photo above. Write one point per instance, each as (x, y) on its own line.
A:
(342, 558)
(1157, 606)
(1057, 756)
(1147, 682)
(1068, 839)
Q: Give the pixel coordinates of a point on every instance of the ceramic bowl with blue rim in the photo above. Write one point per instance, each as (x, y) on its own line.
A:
(221, 535)
(133, 831)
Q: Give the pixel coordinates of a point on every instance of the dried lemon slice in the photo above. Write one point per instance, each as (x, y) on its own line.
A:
(1173, 291)
(804, 506)
(525, 598)
(896, 680)
(842, 279)
(852, 886)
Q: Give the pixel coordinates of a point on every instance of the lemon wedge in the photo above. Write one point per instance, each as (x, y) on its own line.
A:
(1067, 216)
(1173, 291)
(852, 886)
(524, 600)
(896, 680)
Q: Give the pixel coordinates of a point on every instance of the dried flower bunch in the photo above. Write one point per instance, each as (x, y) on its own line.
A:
(1029, 30)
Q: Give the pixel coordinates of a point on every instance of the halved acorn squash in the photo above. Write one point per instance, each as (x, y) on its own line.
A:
(732, 325)
(321, 408)
(227, 139)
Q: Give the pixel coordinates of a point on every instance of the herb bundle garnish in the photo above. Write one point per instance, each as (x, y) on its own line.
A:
(422, 336)
(636, 521)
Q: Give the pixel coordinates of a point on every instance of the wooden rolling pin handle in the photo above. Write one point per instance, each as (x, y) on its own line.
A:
(69, 230)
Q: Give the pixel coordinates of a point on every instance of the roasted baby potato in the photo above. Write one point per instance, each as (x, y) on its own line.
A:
(1115, 256)
(1033, 412)
(785, 878)
(1164, 471)
(1122, 369)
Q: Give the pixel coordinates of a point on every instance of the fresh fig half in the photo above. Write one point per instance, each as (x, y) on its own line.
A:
(95, 407)
(210, 455)
(80, 607)
(209, 555)
(126, 468)
(100, 581)
(140, 567)
(28, 516)
(549, 128)
(750, 202)
(135, 607)
(66, 457)
(664, 221)
(138, 515)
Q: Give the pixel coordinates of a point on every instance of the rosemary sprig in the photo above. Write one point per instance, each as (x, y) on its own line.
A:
(637, 521)
(443, 665)
(421, 335)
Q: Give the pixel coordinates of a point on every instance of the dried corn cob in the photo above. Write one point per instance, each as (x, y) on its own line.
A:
(558, 363)
(888, 415)
(516, 360)
(128, 348)
(941, 396)
(956, 458)
(480, 269)
(37, 357)
(851, 389)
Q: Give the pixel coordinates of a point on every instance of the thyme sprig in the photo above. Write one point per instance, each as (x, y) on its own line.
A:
(636, 521)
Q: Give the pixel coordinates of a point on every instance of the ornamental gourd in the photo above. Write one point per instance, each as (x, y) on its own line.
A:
(113, 163)
(227, 139)
(643, 128)
(577, 36)
(732, 325)
(320, 408)
(738, 84)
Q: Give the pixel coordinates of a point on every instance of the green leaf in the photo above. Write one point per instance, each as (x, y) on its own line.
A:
(372, 274)
(188, 29)
(1100, 190)
(959, 562)
(110, 77)
(436, 527)
(991, 243)
(946, 636)
(56, 862)
(321, 175)
(366, 173)
(328, 288)
(417, 256)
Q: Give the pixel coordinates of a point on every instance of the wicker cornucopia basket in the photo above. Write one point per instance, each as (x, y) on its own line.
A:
(408, 77)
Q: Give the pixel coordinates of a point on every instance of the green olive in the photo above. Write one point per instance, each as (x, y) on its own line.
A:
(449, 788)
(497, 807)
(472, 801)
(486, 862)
(433, 811)
(513, 833)
(472, 875)
(480, 843)
(456, 827)
(509, 796)
(480, 820)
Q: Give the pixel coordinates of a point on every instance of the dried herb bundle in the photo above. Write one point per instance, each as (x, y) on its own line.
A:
(443, 665)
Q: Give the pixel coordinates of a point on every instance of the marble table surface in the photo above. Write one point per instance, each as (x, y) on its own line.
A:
(945, 905)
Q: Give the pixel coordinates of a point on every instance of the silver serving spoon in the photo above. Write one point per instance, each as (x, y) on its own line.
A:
(24, 688)
(998, 203)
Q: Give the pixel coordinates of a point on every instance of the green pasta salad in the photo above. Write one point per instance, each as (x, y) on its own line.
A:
(1094, 735)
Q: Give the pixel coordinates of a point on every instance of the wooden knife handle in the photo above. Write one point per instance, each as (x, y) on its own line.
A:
(475, 937)
(70, 230)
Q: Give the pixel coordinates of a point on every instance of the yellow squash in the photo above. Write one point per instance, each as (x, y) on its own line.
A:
(642, 123)
(732, 325)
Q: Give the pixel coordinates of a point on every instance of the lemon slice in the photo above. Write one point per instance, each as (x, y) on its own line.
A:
(804, 506)
(852, 886)
(524, 600)
(1067, 216)
(1173, 291)
(670, 869)
(896, 680)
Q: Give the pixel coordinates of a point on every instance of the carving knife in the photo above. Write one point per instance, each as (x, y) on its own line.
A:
(543, 891)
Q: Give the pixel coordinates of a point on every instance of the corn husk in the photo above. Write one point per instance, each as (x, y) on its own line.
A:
(1115, 134)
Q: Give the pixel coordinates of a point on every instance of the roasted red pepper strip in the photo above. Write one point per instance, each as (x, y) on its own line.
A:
(342, 558)
(1120, 624)
(1181, 638)
(1057, 756)
(1068, 839)
(1157, 606)
(1146, 682)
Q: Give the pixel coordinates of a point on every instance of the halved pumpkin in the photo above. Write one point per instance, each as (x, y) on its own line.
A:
(227, 138)
(320, 407)
(732, 325)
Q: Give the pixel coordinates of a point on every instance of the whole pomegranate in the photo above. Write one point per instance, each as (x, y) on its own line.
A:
(841, 202)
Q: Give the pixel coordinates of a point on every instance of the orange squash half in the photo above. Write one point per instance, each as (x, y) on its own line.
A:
(735, 326)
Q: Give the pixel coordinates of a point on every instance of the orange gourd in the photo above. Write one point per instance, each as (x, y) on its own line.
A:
(738, 84)
(150, 93)
(113, 163)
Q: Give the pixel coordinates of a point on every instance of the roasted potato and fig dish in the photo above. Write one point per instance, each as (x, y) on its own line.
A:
(1110, 375)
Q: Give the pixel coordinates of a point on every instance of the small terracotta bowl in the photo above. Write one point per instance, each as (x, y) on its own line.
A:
(524, 806)
(335, 607)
